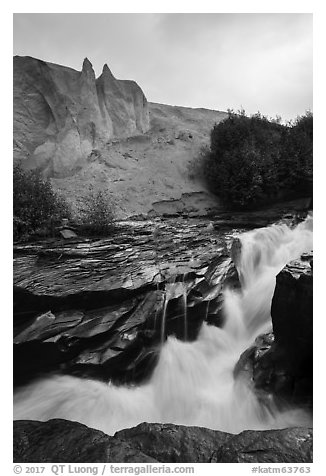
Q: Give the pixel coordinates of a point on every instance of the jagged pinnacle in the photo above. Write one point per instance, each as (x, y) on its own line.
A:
(106, 71)
(87, 65)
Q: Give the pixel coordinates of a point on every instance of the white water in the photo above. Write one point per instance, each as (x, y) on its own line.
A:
(193, 383)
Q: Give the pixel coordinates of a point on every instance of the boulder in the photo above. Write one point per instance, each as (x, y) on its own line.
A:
(169, 443)
(281, 363)
(291, 445)
(286, 369)
(62, 441)
(292, 307)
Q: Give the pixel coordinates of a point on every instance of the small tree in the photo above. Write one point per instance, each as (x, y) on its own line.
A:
(97, 214)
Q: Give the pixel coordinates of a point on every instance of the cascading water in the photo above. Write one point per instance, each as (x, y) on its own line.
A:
(173, 290)
(193, 383)
(185, 317)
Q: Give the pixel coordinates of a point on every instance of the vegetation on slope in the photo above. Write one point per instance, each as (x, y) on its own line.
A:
(254, 160)
(38, 211)
(96, 217)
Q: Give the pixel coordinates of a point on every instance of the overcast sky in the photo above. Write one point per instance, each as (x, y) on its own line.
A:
(261, 62)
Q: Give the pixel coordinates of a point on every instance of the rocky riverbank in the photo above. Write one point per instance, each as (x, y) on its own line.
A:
(101, 309)
(96, 307)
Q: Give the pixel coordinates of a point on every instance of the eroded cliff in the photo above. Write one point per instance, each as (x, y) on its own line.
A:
(61, 115)
(82, 131)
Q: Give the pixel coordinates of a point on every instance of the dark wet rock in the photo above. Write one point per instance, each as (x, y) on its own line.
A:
(287, 367)
(292, 308)
(109, 343)
(250, 357)
(283, 366)
(142, 254)
(236, 251)
(169, 443)
(291, 445)
(62, 441)
(101, 308)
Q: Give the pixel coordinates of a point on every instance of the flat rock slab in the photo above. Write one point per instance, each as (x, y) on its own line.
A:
(144, 253)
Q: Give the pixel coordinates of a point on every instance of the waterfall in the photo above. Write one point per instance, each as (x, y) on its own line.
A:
(193, 382)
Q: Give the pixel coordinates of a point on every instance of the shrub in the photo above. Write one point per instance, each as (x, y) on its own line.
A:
(37, 209)
(296, 158)
(96, 217)
(253, 160)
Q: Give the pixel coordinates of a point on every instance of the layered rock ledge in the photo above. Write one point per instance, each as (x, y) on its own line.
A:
(95, 308)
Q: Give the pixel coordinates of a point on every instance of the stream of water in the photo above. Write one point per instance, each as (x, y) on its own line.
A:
(193, 383)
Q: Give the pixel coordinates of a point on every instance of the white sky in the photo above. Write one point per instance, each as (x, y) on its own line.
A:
(218, 61)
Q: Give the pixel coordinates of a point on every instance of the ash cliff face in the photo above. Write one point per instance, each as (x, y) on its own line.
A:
(61, 115)
(82, 131)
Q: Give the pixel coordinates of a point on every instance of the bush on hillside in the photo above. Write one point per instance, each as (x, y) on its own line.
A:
(37, 208)
(253, 160)
(295, 168)
(96, 217)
